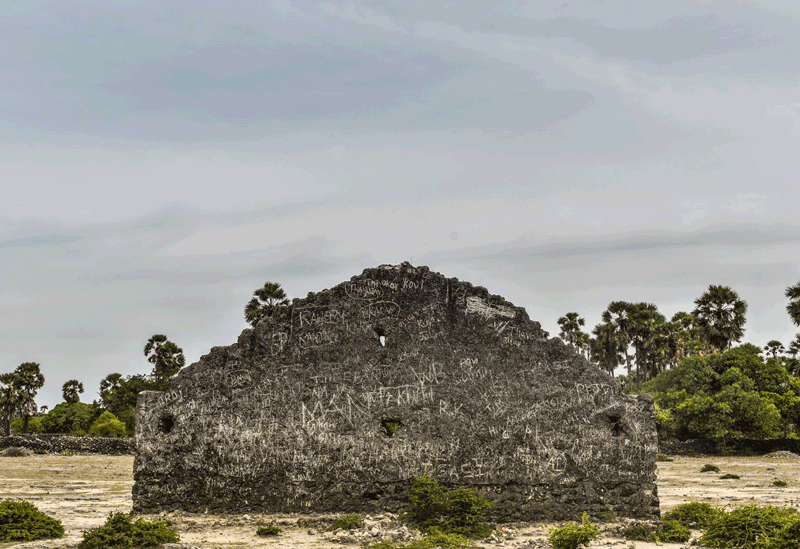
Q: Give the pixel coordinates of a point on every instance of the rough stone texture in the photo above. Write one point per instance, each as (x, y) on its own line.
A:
(59, 443)
(297, 415)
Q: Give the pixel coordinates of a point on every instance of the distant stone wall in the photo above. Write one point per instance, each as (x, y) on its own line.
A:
(338, 401)
(58, 443)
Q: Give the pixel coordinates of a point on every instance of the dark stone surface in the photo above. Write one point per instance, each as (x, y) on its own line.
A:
(296, 415)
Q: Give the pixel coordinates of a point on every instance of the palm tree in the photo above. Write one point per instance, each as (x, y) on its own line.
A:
(646, 326)
(618, 315)
(166, 357)
(720, 316)
(774, 348)
(793, 308)
(28, 379)
(264, 302)
(10, 399)
(794, 346)
(571, 328)
(605, 349)
(71, 391)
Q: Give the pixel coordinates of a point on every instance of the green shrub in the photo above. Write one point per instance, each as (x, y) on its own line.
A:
(348, 522)
(22, 521)
(107, 425)
(694, 515)
(68, 452)
(459, 511)
(270, 530)
(749, 527)
(779, 483)
(384, 545)
(34, 425)
(40, 452)
(786, 537)
(426, 502)
(672, 531)
(709, 468)
(69, 418)
(639, 531)
(662, 457)
(729, 475)
(119, 532)
(571, 536)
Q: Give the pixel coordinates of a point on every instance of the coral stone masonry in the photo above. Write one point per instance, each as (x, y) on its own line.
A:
(339, 401)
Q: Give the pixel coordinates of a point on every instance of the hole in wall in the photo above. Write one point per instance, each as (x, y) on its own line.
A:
(390, 426)
(381, 335)
(616, 425)
(166, 423)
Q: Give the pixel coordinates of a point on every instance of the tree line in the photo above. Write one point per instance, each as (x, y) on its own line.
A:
(114, 414)
(704, 387)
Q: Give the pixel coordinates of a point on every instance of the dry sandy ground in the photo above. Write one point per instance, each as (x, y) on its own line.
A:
(81, 490)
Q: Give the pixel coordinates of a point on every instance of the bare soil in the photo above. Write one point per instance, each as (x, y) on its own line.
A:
(81, 490)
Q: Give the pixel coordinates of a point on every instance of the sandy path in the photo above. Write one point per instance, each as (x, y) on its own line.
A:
(82, 490)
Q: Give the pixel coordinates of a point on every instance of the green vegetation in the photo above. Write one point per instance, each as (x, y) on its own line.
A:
(727, 476)
(69, 418)
(120, 532)
(348, 522)
(666, 531)
(270, 530)
(264, 302)
(34, 425)
(694, 515)
(662, 457)
(459, 511)
(17, 392)
(72, 390)
(22, 521)
(753, 527)
(571, 536)
(779, 483)
(107, 425)
(708, 468)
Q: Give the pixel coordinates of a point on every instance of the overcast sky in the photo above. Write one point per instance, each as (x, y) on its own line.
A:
(161, 159)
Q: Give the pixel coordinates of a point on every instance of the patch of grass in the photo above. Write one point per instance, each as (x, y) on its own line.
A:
(22, 521)
(662, 457)
(729, 475)
(347, 522)
(779, 483)
(709, 468)
(694, 515)
(753, 527)
(40, 452)
(270, 530)
(67, 452)
(120, 532)
(571, 536)
(436, 539)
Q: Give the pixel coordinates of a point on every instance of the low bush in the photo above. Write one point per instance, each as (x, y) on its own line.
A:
(779, 483)
(753, 527)
(667, 531)
(729, 475)
(662, 457)
(458, 511)
(120, 532)
(708, 468)
(22, 521)
(437, 539)
(347, 522)
(694, 515)
(571, 536)
(107, 425)
(270, 530)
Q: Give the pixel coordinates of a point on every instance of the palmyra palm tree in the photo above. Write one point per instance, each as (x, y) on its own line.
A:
(263, 304)
(720, 315)
(793, 308)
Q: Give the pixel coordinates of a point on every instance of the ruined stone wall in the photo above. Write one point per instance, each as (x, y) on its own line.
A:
(299, 414)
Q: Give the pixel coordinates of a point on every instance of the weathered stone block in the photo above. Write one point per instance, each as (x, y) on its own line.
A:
(338, 401)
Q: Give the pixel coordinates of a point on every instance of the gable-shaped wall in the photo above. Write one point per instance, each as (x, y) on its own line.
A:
(300, 413)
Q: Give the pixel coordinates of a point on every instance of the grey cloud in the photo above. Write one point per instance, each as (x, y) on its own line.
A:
(39, 240)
